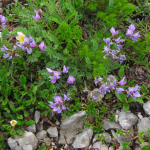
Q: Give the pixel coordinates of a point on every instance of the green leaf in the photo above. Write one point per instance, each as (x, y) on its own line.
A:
(138, 99)
(56, 19)
(147, 147)
(19, 132)
(20, 116)
(108, 96)
(120, 96)
(51, 37)
(143, 88)
(30, 122)
(42, 148)
(12, 132)
(125, 107)
(6, 127)
(131, 99)
(23, 80)
(26, 114)
(70, 15)
(121, 71)
(5, 102)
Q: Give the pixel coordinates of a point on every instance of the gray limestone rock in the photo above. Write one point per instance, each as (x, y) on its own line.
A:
(105, 134)
(39, 127)
(143, 125)
(111, 78)
(83, 139)
(53, 132)
(97, 145)
(96, 94)
(110, 125)
(31, 128)
(37, 116)
(41, 135)
(104, 147)
(127, 119)
(27, 140)
(146, 107)
(72, 126)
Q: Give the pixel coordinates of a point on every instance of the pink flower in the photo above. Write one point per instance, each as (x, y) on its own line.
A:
(42, 46)
(71, 79)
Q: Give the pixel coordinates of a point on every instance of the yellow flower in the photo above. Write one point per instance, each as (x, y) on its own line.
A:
(13, 123)
(20, 37)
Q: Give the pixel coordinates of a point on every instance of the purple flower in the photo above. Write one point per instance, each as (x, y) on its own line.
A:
(107, 41)
(42, 46)
(63, 108)
(95, 98)
(135, 36)
(119, 46)
(113, 31)
(4, 48)
(32, 42)
(6, 55)
(98, 80)
(52, 105)
(57, 99)
(119, 90)
(57, 109)
(118, 40)
(57, 74)
(112, 84)
(71, 79)
(122, 58)
(85, 90)
(65, 70)
(49, 70)
(106, 49)
(133, 92)
(103, 89)
(130, 30)
(66, 98)
(121, 82)
(37, 16)
(132, 27)
(3, 20)
(53, 79)
(29, 50)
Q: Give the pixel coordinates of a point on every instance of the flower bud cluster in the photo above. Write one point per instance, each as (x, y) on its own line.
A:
(57, 105)
(132, 91)
(116, 54)
(2, 21)
(37, 16)
(57, 74)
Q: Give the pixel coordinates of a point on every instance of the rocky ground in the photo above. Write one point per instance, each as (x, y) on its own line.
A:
(70, 133)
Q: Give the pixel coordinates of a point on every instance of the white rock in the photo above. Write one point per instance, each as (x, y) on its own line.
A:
(41, 135)
(127, 119)
(104, 147)
(139, 115)
(111, 78)
(47, 141)
(52, 131)
(97, 145)
(57, 123)
(111, 148)
(72, 126)
(146, 107)
(110, 125)
(37, 116)
(83, 139)
(27, 139)
(105, 134)
(31, 128)
(143, 125)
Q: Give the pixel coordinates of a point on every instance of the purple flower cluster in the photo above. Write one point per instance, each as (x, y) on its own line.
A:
(57, 74)
(130, 31)
(37, 16)
(3, 21)
(116, 54)
(57, 105)
(27, 44)
(132, 91)
(9, 53)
